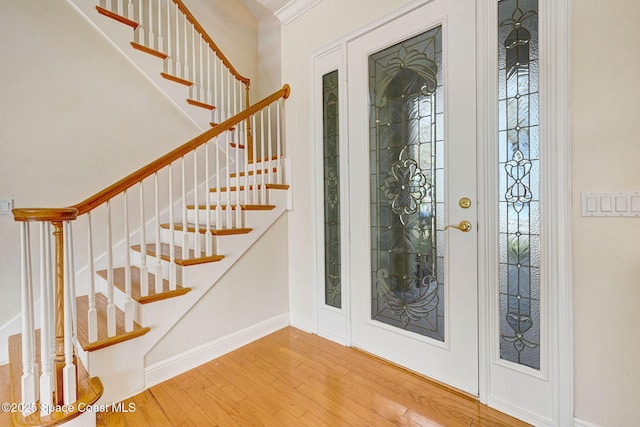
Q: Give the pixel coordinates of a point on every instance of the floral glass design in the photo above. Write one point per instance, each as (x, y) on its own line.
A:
(519, 182)
(407, 185)
(332, 264)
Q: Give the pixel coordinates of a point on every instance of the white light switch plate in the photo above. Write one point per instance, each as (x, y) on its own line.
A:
(6, 205)
(611, 204)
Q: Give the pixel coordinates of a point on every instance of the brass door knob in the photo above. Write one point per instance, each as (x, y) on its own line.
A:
(464, 226)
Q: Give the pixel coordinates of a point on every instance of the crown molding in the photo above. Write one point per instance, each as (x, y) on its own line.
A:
(295, 8)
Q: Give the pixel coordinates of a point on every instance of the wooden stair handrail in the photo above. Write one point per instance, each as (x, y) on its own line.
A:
(210, 42)
(70, 213)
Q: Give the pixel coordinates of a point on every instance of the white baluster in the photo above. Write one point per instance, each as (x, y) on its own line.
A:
(197, 246)
(228, 223)
(209, 94)
(172, 244)
(144, 269)
(139, 32)
(72, 283)
(263, 191)
(238, 179)
(152, 37)
(187, 71)
(254, 187)
(279, 142)
(194, 61)
(28, 379)
(216, 91)
(129, 306)
(46, 318)
(185, 241)
(208, 235)
(178, 68)
(111, 307)
(169, 61)
(130, 10)
(93, 313)
(247, 186)
(119, 8)
(201, 80)
(217, 173)
(69, 371)
(159, 284)
(160, 46)
(270, 153)
(229, 106)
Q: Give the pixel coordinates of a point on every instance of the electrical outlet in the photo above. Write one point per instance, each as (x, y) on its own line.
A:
(6, 205)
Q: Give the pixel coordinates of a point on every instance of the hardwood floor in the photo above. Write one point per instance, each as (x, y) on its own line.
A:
(292, 378)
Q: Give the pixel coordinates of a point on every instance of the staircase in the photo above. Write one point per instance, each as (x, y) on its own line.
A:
(118, 270)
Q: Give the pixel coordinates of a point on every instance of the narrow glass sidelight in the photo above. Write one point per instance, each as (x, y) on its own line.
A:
(406, 117)
(331, 146)
(519, 171)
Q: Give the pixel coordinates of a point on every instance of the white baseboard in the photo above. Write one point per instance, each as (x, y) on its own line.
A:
(301, 322)
(176, 365)
(577, 422)
(519, 413)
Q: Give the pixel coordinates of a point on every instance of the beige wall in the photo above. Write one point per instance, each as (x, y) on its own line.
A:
(299, 39)
(606, 153)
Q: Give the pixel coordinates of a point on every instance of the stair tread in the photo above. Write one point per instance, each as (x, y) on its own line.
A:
(152, 296)
(244, 207)
(89, 389)
(191, 228)
(145, 49)
(165, 255)
(115, 16)
(176, 79)
(242, 187)
(82, 306)
(200, 104)
(5, 393)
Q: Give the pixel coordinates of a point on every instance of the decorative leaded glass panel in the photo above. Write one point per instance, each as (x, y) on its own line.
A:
(407, 185)
(331, 156)
(519, 166)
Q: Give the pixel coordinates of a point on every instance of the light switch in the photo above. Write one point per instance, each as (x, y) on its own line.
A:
(6, 205)
(611, 204)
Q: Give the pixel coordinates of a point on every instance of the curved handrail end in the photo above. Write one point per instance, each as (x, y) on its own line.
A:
(45, 214)
(287, 90)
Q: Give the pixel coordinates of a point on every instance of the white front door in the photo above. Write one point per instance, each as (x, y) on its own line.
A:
(412, 167)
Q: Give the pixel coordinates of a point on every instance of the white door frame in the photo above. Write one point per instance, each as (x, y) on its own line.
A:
(555, 137)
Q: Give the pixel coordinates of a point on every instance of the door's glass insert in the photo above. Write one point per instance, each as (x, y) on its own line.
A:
(407, 188)
(519, 166)
(331, 156)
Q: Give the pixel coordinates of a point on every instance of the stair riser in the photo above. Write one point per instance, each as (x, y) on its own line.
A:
(250, 180)
(228, 218)
(152, 264)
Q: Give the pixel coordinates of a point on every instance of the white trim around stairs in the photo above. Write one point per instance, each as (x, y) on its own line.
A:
(176, 365)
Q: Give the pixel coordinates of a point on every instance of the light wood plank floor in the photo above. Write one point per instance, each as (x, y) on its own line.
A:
(292, 378)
